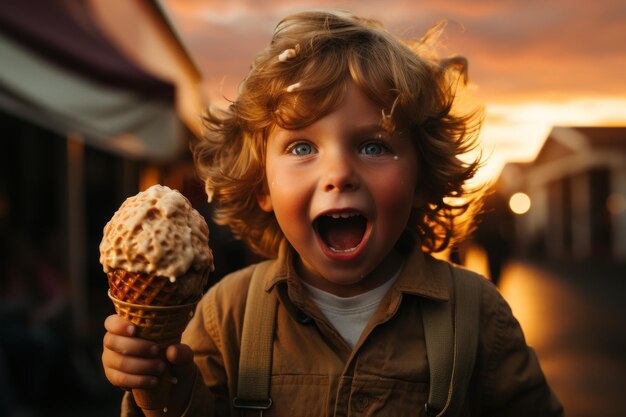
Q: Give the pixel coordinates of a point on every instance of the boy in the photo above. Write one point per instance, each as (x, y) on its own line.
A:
(339, 161)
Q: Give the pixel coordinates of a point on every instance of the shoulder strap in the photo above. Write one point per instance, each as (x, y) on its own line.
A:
(450, 330)
(255, 360)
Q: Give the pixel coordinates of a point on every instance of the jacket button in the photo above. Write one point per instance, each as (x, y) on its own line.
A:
(304, 319)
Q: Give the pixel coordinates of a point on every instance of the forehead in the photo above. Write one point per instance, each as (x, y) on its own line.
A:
(320, 84)
(354, 110)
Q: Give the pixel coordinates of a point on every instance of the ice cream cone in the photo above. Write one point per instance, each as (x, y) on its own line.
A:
(163, 325)
(149, 289)
(155, 253)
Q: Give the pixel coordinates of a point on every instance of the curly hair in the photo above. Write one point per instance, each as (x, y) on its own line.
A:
(300, 77)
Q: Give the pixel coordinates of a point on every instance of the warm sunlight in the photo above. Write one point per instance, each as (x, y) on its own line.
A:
(516, 131)
(524, 94)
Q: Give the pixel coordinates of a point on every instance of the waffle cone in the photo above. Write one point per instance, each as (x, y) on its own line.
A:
(163, 325)
(146, 289)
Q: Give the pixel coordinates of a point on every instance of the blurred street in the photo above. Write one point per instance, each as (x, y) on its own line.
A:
(574, 315)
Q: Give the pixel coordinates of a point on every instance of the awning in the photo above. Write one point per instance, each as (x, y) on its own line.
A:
(59, 69)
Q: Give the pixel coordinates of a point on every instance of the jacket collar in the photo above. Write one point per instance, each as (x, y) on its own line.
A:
(422, 275)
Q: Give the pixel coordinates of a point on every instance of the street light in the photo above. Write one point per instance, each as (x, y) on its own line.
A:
(519, 203)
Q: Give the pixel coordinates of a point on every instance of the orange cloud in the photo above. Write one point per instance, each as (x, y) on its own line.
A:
(523, 55)
(516, 49)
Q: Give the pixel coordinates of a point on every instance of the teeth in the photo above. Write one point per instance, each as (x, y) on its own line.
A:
(342, 250)
(342, 215)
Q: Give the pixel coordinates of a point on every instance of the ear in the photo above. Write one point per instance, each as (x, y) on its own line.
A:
(265, 201)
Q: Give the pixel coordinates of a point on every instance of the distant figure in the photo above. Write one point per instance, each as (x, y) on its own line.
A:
(495, 232)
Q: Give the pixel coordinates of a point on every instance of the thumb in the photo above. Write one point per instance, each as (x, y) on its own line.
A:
(181, 358)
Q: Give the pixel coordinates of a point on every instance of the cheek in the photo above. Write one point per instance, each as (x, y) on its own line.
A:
(396, 189)
(281, 185)
(280, 176)
(396, 199)
(288, 197)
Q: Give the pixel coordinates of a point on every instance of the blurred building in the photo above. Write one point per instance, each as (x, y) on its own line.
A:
(98, 99)
(577, 194)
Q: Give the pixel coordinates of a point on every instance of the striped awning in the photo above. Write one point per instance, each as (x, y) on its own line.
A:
(60, 70)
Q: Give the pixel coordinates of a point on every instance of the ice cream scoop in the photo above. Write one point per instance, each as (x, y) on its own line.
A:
(156, 232)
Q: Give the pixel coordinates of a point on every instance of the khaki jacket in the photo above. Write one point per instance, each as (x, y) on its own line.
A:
(315, 373)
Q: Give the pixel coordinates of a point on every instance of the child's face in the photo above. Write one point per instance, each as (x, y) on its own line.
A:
(342, 190)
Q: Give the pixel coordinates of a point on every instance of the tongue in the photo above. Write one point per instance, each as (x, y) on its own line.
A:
(342, 234)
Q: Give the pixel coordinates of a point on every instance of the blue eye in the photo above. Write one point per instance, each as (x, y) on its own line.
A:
(301, 148)
(373, 148)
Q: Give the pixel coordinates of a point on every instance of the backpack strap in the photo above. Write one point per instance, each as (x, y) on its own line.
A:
(451, 334)
(450, 331)
(255, 361)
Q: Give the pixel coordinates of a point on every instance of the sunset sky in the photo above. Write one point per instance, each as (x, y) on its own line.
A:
(533, 64)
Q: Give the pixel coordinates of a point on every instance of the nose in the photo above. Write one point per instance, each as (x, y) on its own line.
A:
(340, 174)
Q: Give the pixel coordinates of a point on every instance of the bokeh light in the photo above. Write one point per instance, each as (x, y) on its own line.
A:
(519, 203)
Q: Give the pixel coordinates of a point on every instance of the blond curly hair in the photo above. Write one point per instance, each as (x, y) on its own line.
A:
(300, 77)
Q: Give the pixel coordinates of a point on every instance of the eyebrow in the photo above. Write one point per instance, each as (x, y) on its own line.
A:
(374, 127)
(369, 129)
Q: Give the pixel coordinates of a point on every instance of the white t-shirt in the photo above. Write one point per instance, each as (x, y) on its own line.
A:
(349, 315)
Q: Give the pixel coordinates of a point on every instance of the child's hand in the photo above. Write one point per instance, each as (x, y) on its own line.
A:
(130, 362)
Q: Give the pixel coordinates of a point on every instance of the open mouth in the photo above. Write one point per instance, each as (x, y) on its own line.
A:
(341, 232)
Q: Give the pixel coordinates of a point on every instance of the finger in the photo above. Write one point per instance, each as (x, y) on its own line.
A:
(179, 354)
(130, 345)
(132, 364)
(117, 325)
(130, 381)
(181, 358)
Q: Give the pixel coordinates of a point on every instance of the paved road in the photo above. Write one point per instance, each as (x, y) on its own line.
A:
(575, 316)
